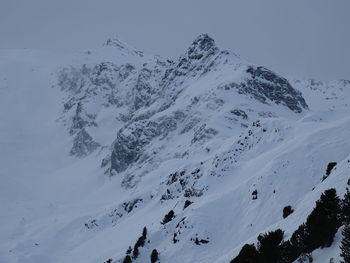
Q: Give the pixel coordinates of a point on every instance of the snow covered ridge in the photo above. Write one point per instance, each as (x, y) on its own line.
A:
(157, 87)
(115, 155)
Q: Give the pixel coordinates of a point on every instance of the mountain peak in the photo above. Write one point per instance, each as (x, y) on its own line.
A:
(204, 39)
(202, 45)
(121, 45)
(116, 43)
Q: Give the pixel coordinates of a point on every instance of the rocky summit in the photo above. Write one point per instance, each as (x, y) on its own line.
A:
(116, 155)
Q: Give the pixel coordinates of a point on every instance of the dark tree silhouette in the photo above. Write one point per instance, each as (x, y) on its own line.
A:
(288, 252)
(144, 232)
(298, 241)
(323, 222)
(248, 254)
(127, 259)
(345, 245)
(268, 246)
(129, 250)
(317, 232)
(346, 208)
(154, 256)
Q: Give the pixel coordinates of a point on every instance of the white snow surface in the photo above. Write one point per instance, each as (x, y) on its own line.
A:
(59, 207)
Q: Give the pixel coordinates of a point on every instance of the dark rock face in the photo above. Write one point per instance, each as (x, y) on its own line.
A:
(81, 120)
(263, 84)
(83, 144)
(201, 57)
(131, 140)
(77, 122)
(202, 46)
(144, 91)
(116, 43)
(195, 61)
(127, 148)
(185, 184)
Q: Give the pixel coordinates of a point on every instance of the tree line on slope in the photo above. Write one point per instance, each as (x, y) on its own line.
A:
(132, 254)
(318, 231)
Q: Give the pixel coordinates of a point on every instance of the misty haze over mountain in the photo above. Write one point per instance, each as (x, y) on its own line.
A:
(110, 153)
(298, 38)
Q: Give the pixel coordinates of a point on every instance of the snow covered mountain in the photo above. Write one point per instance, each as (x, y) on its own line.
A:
(204, 151)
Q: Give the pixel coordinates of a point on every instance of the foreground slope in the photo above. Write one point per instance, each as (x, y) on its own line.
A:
(99, 144)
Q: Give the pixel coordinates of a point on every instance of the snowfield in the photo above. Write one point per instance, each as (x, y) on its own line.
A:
(97, 145)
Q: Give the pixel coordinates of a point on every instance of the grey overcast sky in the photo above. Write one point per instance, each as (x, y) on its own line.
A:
(302, 38)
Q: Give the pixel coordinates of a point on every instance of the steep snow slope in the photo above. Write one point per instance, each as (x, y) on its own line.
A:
(97, 145)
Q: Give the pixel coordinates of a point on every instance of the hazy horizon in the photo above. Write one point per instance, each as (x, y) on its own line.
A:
(297, 38)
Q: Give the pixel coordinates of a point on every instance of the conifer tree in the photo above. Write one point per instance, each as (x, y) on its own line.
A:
(129, 250)
(346, 208)
(288, 253)
(144, 232)
(154, 256)
(127, 259)
(269, 246)
(248, 254)
(323, 222)
(135, 252)
(345, 245)
(298, 240)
